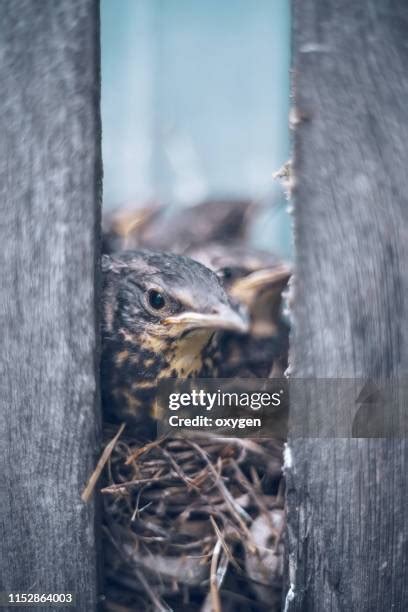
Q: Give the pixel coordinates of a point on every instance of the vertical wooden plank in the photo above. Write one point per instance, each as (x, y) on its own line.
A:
(347, 498)
(50, 177)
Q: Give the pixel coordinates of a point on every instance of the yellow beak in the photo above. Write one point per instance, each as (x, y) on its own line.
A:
(247, 288)
(224, 318)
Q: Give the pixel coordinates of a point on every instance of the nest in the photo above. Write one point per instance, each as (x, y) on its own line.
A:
(193, 523)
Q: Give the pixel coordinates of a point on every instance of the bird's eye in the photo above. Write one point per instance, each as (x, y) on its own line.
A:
(227, 273)
(156, 299)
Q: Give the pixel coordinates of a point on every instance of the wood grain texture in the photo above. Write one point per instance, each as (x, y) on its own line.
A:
(347, 498)
(50, 176)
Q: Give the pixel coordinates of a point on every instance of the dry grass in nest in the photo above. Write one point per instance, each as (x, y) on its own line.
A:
(193, 523)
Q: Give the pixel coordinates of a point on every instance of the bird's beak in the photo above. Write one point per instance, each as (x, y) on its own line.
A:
(133, 219)
(225, 318)
(248, 288)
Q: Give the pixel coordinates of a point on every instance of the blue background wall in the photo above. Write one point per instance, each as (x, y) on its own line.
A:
(195, 99)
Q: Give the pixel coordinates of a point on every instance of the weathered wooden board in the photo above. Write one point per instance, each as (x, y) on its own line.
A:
(348, 498)
(50, 177)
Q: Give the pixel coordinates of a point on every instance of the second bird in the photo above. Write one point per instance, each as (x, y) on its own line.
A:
(256, 279)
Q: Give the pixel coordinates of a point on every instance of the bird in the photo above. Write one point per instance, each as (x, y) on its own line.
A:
(161, 316)
(193, 226)
(255, 279)
(123, 228)
(176, 229)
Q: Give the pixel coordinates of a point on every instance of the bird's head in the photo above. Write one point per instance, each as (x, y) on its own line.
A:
(163, 302)
(252, 277)
(124, 228)
(200, 224)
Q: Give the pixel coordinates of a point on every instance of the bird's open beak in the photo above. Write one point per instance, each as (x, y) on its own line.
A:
(247, 288)
(225, 318)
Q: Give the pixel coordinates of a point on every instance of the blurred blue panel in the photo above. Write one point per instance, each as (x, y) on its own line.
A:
(195, 101)
(128, 72)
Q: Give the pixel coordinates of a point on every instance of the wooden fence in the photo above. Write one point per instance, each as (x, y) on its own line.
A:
(347, 498)
(50, 178)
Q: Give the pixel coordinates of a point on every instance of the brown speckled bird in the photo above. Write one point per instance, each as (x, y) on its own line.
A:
(159, 319)
(256, 279)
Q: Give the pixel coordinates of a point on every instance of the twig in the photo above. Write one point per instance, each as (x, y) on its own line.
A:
(215, 595)
(221, 538)
(241, 516)
(144, 449)
(188, 481)
(87, 492)
(131, 483)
